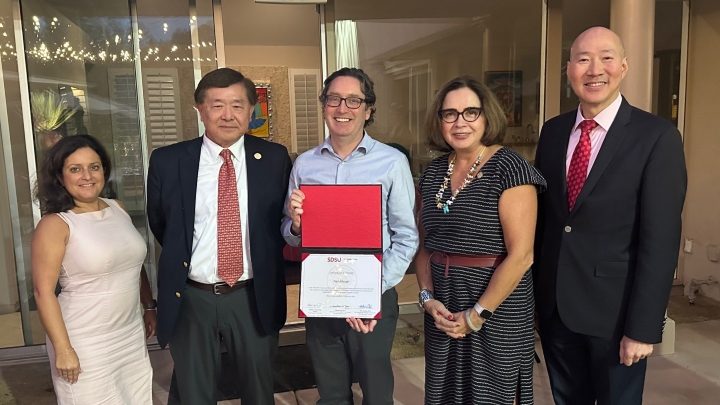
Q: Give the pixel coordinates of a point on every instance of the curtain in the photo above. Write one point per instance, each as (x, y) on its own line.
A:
(346, 44)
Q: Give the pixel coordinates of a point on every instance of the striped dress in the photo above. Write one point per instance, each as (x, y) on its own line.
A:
(488, 366)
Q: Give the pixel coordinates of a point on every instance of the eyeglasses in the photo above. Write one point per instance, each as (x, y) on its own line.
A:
(350, 102)
(469, 114)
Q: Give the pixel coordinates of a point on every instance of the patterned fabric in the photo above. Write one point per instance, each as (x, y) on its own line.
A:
(577, 173)
(230, 256)
(488, 366)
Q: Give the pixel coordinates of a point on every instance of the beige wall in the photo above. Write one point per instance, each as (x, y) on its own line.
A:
(298, 57)
(702, 145)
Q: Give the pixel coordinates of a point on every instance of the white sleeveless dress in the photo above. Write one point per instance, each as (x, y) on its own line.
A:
(100, 304)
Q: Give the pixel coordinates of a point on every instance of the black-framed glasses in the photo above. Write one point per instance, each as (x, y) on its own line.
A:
(350, 102)
(469, 114)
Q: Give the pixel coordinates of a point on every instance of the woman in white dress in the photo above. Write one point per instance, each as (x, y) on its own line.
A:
(95, 327)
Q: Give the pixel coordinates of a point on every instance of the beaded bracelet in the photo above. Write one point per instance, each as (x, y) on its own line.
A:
(469, 322)
(67, 351)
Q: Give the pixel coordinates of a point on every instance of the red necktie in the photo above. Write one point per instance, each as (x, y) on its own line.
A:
(230, 254)
(577, 173)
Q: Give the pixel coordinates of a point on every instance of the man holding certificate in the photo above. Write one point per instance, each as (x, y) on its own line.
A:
(343, 347)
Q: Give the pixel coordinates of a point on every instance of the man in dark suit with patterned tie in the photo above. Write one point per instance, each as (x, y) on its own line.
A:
(608, 231)
(215, 206)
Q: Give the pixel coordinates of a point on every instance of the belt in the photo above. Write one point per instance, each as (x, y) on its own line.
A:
(220, 288)
(464, 260)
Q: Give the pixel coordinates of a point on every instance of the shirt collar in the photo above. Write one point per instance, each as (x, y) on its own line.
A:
(605, 118)
(236, 149)
(366, 143)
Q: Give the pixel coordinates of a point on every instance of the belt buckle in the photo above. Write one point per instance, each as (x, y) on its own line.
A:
(215, 288)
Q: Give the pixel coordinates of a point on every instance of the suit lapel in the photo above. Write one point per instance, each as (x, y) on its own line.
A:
(188, 166)
(559, 158)
(254, 164)
(613, 139)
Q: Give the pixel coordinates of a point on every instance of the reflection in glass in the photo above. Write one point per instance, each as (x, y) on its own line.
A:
(410, 58)
(83, 78)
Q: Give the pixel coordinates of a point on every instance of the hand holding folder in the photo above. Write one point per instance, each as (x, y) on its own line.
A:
(342, 252)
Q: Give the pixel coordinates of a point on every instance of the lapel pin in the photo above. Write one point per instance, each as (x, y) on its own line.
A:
(258, 156)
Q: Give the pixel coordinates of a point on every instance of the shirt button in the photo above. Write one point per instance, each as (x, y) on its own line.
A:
(185, 264)
(568, 229)
(177, 294)
(342, 163)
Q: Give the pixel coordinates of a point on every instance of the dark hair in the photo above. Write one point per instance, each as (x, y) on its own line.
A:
(495, 120)
(222, 78)
(49, 190)
(366, 86)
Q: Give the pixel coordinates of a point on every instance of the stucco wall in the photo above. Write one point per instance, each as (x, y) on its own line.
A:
(702, 145)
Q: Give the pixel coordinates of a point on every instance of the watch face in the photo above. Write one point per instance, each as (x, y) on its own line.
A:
(486, 314)
(423, 296)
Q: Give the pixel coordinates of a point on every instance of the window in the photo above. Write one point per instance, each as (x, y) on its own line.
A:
(305, 111)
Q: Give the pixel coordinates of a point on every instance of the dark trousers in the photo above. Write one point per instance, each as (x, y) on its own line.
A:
(585, 368)
(204, 319)
(338, 353)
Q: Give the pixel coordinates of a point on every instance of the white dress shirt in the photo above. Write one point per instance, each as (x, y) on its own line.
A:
(203, 262)
(604, 119)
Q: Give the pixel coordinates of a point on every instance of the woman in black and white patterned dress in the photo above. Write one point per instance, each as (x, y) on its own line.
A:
(479, 207)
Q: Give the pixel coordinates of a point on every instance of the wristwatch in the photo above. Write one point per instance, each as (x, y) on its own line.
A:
(484, 313)
(150, 305)
(424, 296)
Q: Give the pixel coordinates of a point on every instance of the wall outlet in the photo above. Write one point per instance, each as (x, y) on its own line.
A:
(712, 252)
(687, 248)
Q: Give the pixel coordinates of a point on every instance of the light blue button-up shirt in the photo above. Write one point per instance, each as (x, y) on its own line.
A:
(371, 162)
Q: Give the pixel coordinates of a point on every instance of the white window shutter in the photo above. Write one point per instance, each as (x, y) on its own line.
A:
(162, 107)
(305, 111)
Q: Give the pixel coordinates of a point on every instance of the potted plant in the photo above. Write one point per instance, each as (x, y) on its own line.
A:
(49, 113)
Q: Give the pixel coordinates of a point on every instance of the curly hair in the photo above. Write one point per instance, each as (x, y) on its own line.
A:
(495, 120)
(49, 191)
(366, 86)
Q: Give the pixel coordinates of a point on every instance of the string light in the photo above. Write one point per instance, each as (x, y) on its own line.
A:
(46, 47)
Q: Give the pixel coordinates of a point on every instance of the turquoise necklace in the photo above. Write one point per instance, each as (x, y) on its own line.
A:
(445, 206)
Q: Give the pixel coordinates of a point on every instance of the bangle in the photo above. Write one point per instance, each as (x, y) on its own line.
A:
(67, 351)
(469, 322)
(150, 309)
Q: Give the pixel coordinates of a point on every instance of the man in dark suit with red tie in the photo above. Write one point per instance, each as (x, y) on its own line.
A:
(215, 206)
(608, 231)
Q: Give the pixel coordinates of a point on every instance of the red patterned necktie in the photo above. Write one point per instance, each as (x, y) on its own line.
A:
(230, 254)
(577, 173)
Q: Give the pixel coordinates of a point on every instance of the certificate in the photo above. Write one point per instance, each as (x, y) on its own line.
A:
(343, 285)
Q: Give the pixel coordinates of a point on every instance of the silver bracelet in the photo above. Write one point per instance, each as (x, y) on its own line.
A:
(469, 322)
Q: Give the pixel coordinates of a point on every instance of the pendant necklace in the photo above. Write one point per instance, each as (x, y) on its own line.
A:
(445, 206)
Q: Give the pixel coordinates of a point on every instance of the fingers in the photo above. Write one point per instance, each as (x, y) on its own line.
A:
(362, 325)
(71, 375)
(357, 324)
(295, 210)
(438, 311)
(632, 351)
(295, 202)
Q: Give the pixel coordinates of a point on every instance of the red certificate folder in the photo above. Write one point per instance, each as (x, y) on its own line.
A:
(342, 219)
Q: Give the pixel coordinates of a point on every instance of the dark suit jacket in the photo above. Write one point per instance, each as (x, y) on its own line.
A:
(172, 184)
(608, 264)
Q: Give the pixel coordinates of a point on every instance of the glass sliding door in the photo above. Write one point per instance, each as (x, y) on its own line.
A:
(121, 71)
(411, 49)
(19, 324)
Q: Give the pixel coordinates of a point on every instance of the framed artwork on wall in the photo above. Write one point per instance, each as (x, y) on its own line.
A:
(507, 87)
(261, 124)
